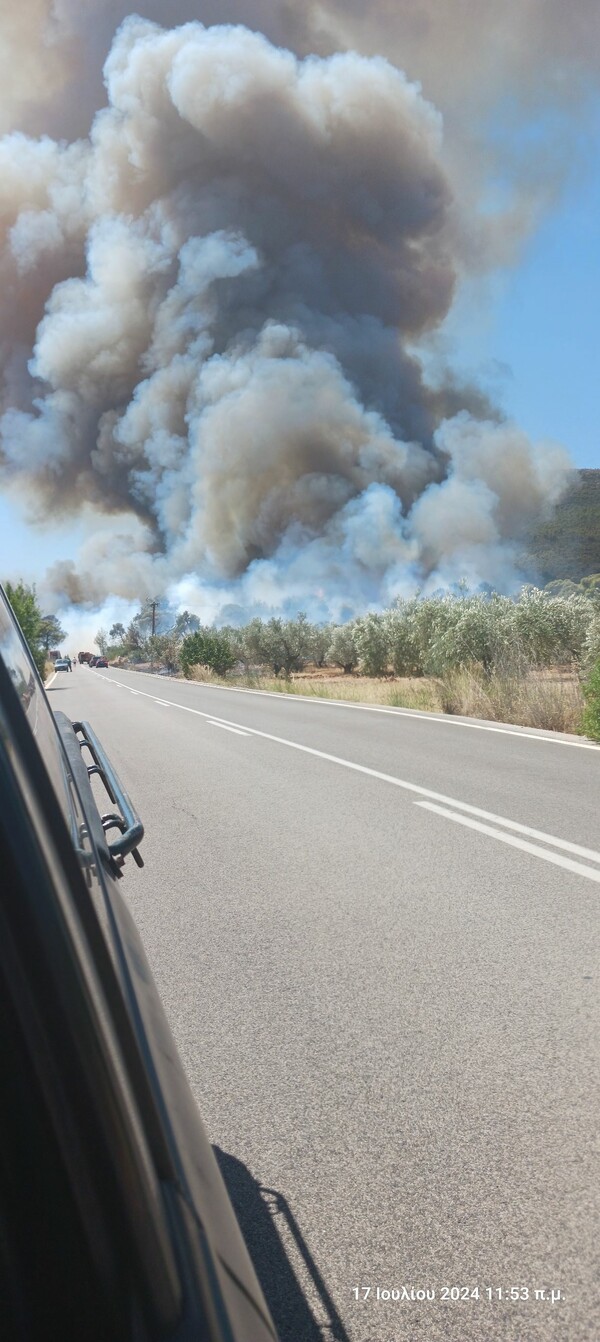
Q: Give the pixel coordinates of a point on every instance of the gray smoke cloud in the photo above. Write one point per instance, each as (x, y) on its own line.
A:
(211, 306)
(466, 53)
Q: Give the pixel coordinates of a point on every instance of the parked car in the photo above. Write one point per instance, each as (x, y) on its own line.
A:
(62, 664)
(115, 1219)
(92, 661)
(100, 661)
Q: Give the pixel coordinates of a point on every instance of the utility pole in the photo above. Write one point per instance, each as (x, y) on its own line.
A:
(153, 605)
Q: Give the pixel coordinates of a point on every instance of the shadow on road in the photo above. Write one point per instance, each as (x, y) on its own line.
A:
(264, 1215)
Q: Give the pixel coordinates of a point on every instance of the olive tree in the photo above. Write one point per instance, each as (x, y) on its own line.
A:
(551, 628)
(474, 630)
(343, 650)
(372, 641)
(163, 648)
(320, 636)
(405, 636)
(284, 645)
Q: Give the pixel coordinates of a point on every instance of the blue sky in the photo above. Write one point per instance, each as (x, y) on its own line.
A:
(544, 327)
(27, 551)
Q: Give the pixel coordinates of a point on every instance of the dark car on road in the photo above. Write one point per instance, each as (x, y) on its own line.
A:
(100, 661)
(114, 1219)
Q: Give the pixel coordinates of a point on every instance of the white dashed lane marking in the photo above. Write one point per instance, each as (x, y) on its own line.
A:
(449, 805)
(226, 728)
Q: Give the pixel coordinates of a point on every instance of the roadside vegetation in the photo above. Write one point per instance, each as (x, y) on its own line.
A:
(532, 660)
(41, 632)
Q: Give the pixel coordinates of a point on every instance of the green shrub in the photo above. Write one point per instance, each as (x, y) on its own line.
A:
(590, 721)
(207, 647)
(592, 642)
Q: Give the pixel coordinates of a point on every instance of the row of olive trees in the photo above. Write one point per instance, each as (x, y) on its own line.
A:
(420, 636)
(439, 634)
(424, 636)
(282, 646)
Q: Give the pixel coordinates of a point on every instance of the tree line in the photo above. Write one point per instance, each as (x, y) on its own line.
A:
(420, 636)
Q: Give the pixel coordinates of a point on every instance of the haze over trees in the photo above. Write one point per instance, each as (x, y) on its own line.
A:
(493, 639)
(420, 636)
(483, 650)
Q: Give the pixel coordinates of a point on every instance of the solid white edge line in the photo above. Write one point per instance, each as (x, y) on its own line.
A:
(390, 778)
(226, 728)
(447, 720)
(164, 703)
(48, 683)
(533, 848)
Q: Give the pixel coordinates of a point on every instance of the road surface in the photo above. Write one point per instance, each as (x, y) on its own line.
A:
(375, 935)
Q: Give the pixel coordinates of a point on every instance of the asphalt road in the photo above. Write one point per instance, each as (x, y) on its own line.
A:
(375, 935)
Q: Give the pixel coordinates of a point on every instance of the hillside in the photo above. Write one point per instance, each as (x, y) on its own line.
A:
(568, 545)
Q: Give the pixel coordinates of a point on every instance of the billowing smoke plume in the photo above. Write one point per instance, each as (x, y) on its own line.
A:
(466, 53)
(210, 307)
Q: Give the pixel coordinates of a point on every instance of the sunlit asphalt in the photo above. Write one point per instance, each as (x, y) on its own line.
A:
(375, 936)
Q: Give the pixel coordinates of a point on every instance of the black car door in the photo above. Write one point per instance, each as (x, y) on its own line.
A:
(114, 1221)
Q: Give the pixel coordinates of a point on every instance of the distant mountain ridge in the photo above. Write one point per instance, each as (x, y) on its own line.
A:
(567, 545)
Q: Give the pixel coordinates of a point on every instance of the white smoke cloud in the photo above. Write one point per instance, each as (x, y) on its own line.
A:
(210, 300)
(82, 624)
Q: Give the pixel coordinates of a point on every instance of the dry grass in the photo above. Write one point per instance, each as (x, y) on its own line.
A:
(549, 699)
(362, 690)
(394, 693)
(553, 701)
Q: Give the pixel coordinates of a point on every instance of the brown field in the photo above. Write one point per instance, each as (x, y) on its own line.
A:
(549, 698)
